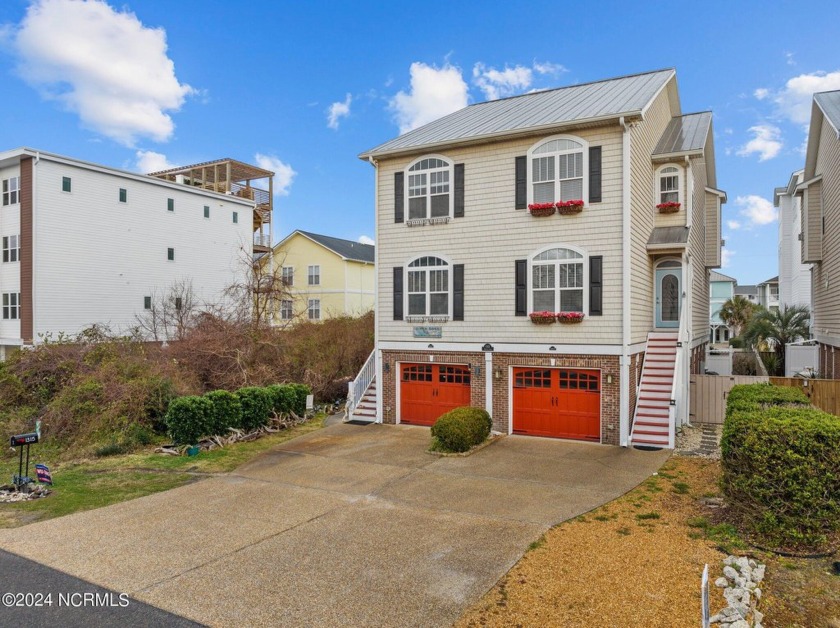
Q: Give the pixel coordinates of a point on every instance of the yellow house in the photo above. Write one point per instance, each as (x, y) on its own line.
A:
(326, 276)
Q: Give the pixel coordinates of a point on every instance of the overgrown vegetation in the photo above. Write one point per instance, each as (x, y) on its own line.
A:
(781, 466)
(97, 394)
(460, 429)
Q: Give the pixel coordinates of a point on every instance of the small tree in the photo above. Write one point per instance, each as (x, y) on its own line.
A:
(779, 328)
(737, 312)
(170, 314)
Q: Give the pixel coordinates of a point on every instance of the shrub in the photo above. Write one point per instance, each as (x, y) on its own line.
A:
(781, 465)
(256, 406)
(283, 398)
(188, 419)
(461, 428)
(301, 391)
(227, 411)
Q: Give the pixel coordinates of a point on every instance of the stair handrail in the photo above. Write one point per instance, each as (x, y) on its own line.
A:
(356, 389)
(677, 388)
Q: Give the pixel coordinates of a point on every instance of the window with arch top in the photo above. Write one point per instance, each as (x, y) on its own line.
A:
(428, 286)
(668, 188)
(428, 191)
(557, 280)
(556, 168)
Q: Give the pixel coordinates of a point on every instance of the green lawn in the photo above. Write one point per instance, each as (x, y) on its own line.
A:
(88, 484)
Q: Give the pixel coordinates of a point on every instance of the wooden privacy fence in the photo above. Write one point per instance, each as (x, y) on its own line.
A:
(824, 393)
(708, 395)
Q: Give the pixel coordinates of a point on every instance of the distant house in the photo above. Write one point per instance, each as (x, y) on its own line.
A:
(85, 244)
(749, 292)
(820, 194)
(794, 275)
(546, 257)
(768, 294)
(324, 276)
(721, 289)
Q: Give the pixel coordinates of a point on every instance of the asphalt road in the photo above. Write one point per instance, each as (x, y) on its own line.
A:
(34, 595)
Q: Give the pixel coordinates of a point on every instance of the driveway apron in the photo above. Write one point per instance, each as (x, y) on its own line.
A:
(350, 525)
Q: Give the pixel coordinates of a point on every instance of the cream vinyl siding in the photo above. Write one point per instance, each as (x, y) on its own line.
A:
(645, 136)
(713, 235)
(812, 249)
(96, 258)
(826, 275)
(9, 272)
(492, 235)
(697, 239)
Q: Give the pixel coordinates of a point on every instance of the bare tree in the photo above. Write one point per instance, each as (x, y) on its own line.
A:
(257, 298)
(171, 313)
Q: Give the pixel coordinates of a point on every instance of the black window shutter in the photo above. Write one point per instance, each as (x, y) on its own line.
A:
(596, 286)
(522, 183)
(459, 190)
(594, 174)
(521, 287)
(458, 292)
(398, 293)
(399, 196)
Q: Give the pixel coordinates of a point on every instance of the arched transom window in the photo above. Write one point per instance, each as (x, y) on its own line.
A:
(669, 185)
(428, 287)
(557, 281)
(428, 188)
(556, 171)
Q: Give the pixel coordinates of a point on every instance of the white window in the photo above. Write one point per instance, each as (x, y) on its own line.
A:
(314, 275)
(668, 189)
(11, 305)
(557, 281)
(314, 309)
(428, 282)
(556, 168)
(11, 191)
(288, 275)
(11, 248)
(428, 188)
(286, 309)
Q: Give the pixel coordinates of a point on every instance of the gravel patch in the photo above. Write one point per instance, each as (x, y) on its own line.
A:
(701, 439)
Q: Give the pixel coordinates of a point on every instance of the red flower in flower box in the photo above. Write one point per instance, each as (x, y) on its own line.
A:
(570, 317)
(668, 208)
(541, 209)
(569, 207)
(543, 318)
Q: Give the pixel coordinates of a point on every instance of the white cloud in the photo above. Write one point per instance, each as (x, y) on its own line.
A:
(761, 93)
(767, 142)
(149, 161)
(725, 257)
(337, 111)
(759, 211)
(283, 173)
(549, 68)
(501, 83)
(366, 240)
(733, 224)
(102, 64)
(794, 101)
(435, 92)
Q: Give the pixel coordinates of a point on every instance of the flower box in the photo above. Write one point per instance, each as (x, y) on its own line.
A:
(543, 318)
(668, 208)
(566, 208)
(569, 318)
(541, 209)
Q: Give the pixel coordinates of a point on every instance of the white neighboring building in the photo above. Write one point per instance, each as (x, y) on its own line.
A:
(84, 243)
(794, 276)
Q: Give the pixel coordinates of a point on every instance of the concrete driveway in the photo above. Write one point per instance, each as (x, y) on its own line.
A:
(350, 525)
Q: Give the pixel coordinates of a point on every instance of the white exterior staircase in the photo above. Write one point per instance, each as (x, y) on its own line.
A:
(361, 393)
(654, 414)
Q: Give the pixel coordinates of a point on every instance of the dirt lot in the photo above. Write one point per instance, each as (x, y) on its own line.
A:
(637, 561)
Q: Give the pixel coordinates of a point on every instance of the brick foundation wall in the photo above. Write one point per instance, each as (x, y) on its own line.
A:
(608, 365)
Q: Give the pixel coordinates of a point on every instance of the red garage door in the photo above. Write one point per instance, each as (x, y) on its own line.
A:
(562, 403)
(429, 390)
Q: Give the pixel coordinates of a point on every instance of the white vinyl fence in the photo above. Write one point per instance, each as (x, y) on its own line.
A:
(799, 358)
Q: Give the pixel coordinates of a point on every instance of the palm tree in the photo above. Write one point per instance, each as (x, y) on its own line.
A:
(779, 328)
(737, 313)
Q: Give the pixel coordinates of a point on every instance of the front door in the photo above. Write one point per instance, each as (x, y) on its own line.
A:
(668, 295)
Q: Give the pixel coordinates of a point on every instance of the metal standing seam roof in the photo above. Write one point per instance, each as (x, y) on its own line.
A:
(605, 99)
(829, 102)
(665, 236)
(685, 134)
(716, 276)
(347, 249)
(747, 289)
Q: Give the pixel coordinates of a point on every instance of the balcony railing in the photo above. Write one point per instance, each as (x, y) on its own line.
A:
(263, 239)
(260, 197)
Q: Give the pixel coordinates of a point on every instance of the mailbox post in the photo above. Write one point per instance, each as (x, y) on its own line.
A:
(23, 440)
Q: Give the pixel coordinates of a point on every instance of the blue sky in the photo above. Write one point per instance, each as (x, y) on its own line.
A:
(305, 87)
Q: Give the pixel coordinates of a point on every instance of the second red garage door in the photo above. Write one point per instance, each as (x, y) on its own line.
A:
(562, 403)
(429, 390)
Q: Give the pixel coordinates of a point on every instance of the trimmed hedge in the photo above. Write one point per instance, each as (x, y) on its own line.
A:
(257, 404)
(462, 428)
(301, 391)
(283, 397)
(781, 465)
(227, 411)
(189, 418)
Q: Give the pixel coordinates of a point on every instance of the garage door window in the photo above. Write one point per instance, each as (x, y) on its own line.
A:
(454, 375)
(533, 379)
(574, 380)
(417, 373)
